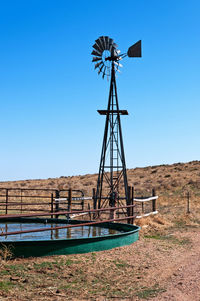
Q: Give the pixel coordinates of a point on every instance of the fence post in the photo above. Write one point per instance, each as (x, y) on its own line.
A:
(52, 204)
(94, 201)
(128, 203)
(89, 212)
(112, 203)
(83, 201)
(153, 201)
(142, 207)
(21, 200)
(132, 203)
(69, 202)
(57, 196)
(6, 201)
(188, 202)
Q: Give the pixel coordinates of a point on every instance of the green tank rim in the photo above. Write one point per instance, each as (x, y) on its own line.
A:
(37, 248)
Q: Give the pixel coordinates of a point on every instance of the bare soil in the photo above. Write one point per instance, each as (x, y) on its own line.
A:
(163, 265)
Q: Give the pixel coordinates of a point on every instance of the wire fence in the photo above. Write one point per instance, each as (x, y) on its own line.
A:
(18, 200)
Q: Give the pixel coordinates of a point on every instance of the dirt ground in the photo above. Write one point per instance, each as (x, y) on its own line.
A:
(183, 282)
(163, 265)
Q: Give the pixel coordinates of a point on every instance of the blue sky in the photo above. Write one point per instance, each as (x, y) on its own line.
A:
(49, 90)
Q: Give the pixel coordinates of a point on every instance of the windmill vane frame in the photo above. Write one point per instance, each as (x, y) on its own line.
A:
(112, 183)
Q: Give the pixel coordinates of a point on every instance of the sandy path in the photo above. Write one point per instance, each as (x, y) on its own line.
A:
(184, 283)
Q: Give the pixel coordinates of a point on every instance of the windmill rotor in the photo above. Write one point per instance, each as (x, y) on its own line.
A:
(105, 53)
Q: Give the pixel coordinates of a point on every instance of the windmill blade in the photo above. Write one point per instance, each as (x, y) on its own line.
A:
(101, 40)
(107, 42)
(118, 64)
(100, 69)
(117, 69)
(97, 65)
(94, 52)
(115, 52)
(112, 51)
(97, 48)
(110, 44)
(135, 50)
(115, 45)
(95, 59)
(111, 41)
(98, 42)
(104, 42)
(104, 72)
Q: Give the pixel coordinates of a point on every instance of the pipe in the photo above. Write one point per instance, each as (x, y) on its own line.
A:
(65, 227)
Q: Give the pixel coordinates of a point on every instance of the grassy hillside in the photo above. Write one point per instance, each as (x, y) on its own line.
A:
(166, 179)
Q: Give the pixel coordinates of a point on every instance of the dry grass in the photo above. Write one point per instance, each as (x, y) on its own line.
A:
(168, 180)
(6, 252)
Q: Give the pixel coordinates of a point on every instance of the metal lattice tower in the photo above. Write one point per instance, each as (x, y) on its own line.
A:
(112, 183)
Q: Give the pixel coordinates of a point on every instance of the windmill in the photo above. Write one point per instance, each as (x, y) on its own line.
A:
(112, 183)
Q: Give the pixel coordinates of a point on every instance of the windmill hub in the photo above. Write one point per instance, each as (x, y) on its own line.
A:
(112, 58)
